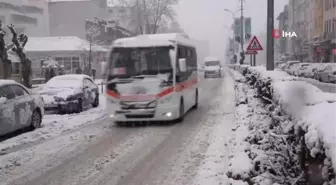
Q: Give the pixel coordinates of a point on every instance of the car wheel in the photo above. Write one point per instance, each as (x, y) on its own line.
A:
(79, 107)
(196, 100)
(96, 101)
(36, 120)
(181, 112)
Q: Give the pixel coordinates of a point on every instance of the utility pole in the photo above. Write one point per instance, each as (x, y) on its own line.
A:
(270, 39)
(242, 38)
(90, 55)
(242, 25)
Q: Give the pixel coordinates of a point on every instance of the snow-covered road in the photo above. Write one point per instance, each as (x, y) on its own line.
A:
(193, 152)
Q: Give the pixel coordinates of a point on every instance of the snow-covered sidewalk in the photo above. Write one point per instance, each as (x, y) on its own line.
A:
(299, 107)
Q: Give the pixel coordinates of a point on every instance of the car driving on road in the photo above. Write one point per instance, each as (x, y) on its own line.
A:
(212, 67)
(18, 107)
(70, 93)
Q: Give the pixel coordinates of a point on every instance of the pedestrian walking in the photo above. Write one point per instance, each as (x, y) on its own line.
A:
(79, 70)
(93, 72)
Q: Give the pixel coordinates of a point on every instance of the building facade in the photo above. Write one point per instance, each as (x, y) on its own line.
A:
(67, 18)
(329, 30)
(283, 25)
(317, 30)
(26, 18)
(71, 52)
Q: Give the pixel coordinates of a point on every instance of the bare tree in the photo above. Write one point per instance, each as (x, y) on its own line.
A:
(4, 61)
(150, 14)
(19, 44)
(92, 32)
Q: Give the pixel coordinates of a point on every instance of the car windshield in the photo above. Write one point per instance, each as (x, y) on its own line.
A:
(63, 83)
(131, 62)
(212, 63)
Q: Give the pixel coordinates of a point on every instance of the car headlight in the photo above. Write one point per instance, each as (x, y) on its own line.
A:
(152, 104)
(58, 99)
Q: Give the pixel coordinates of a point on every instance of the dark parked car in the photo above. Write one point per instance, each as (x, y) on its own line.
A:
(18, 107)
(70, 93)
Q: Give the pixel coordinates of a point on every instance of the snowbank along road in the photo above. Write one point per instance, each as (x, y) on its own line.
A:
(192, 152)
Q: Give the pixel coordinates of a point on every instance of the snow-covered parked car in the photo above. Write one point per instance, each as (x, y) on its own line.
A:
(309, 71)
(70, 93)
(289, 64)
(293, 68)
(19, 108)
(326, 74)
(303, 67)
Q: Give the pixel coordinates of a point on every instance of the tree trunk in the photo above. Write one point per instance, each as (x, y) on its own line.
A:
(7, 68)
(26, 72)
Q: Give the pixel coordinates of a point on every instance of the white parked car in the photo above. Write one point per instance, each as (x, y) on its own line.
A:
(326, 73)
(19, 108)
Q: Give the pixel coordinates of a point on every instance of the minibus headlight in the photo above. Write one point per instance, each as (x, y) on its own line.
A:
(152, 104)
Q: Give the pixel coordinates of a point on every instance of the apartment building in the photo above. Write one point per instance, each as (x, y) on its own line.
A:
(300, 20)
(317, 31)
(329, 30)
(26, 18)
(67, 18)
(283, 25)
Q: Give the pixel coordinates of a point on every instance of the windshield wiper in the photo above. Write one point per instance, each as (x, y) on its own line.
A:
(143, 76)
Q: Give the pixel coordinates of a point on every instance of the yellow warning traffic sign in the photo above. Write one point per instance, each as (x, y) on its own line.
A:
(254, 45)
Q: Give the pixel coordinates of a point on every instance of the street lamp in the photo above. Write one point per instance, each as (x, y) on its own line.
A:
(233, 17)
(233, 13)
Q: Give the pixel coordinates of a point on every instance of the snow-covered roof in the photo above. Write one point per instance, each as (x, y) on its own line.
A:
(151, 40)
(60, 44)
(72, 76)
(210, 59)
(7, 82)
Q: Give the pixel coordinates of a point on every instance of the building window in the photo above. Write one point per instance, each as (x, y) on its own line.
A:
(70, 63)
(75, 64)
(326, 26)
(326, 4)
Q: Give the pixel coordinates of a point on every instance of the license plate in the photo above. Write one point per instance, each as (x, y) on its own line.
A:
(50, 105)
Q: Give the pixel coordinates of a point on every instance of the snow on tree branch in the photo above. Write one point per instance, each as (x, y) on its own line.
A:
(151, 14)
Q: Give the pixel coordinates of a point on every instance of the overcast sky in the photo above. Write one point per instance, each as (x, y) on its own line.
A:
(206, 19)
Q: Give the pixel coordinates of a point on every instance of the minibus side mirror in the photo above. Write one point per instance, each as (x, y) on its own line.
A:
(182, 64)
